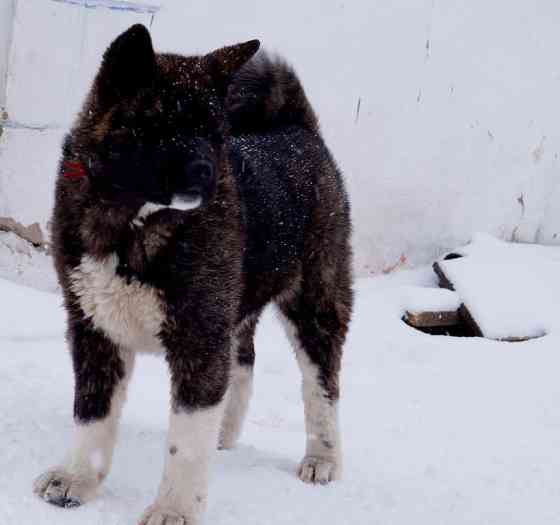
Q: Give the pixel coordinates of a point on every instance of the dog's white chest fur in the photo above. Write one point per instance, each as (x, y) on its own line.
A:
(131, 314)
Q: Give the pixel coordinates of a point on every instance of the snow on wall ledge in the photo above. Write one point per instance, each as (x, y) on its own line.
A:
(441, 114)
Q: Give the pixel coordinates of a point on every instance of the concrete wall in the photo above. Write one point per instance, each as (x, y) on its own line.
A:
(442, 114)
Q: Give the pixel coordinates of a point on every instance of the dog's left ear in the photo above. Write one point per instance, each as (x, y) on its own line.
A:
(226, 61)
(129, 65)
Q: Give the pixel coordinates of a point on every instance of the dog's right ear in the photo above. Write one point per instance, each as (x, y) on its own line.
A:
(129, 65)
(226, 61)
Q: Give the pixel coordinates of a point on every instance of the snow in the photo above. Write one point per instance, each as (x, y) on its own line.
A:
(21, 263)
(418, 300)
(511, 290)
(42, 321)
(436, 430)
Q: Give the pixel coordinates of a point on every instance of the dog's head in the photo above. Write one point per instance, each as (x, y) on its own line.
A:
(154, 125)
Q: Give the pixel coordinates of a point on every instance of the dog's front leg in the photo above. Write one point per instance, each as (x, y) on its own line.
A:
(199, 376)
(101, 371)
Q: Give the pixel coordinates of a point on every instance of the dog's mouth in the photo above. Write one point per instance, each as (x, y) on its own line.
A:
(189, 200)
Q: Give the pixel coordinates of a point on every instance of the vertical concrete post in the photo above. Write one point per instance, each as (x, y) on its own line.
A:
(6, 29)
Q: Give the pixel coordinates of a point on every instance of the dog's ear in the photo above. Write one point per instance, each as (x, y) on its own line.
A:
(129, 64)
(226, 61)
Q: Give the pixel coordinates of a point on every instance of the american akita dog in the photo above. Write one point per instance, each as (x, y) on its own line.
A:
(192, 192)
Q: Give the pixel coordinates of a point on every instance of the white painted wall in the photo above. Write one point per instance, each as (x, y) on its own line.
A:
(458, 128)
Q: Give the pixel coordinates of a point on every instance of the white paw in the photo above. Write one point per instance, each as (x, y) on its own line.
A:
(314, 469)
(155, 515)
(59, 487)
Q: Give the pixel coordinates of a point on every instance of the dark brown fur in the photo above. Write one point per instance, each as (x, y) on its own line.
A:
(221, 250)
(274, 225)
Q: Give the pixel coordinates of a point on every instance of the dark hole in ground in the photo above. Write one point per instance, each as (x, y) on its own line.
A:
(451, 256)
(458, 330)
(464, 330)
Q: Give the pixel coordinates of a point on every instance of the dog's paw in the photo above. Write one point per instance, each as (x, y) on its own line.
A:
(226, 441)
(314, 469)
(59, 487)
(155, 515)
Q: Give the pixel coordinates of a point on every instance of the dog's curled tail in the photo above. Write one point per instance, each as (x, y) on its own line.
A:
(266, 95)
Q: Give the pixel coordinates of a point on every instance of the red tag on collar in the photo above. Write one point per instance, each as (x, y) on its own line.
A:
(73, 170)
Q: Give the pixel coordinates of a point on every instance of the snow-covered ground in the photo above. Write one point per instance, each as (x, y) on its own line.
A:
(23, 264)
(436, 430)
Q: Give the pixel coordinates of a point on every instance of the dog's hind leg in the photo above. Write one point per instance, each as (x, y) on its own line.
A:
(102, 371)
(316, 320)
(241, 383)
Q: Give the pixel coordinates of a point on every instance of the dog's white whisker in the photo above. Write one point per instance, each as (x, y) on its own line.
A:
(185, 204)
(178, 203)
(147, 209)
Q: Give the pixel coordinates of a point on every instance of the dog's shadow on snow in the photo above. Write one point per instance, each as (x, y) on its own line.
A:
(138, 467)
(142, 450)
(149, 445)
(246, 457)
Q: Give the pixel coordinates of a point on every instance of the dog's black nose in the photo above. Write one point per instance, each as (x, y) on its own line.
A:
(198, 182)
(200, 173)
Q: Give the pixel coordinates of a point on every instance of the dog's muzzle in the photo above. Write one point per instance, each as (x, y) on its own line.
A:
(194, 190)
(197, 187)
